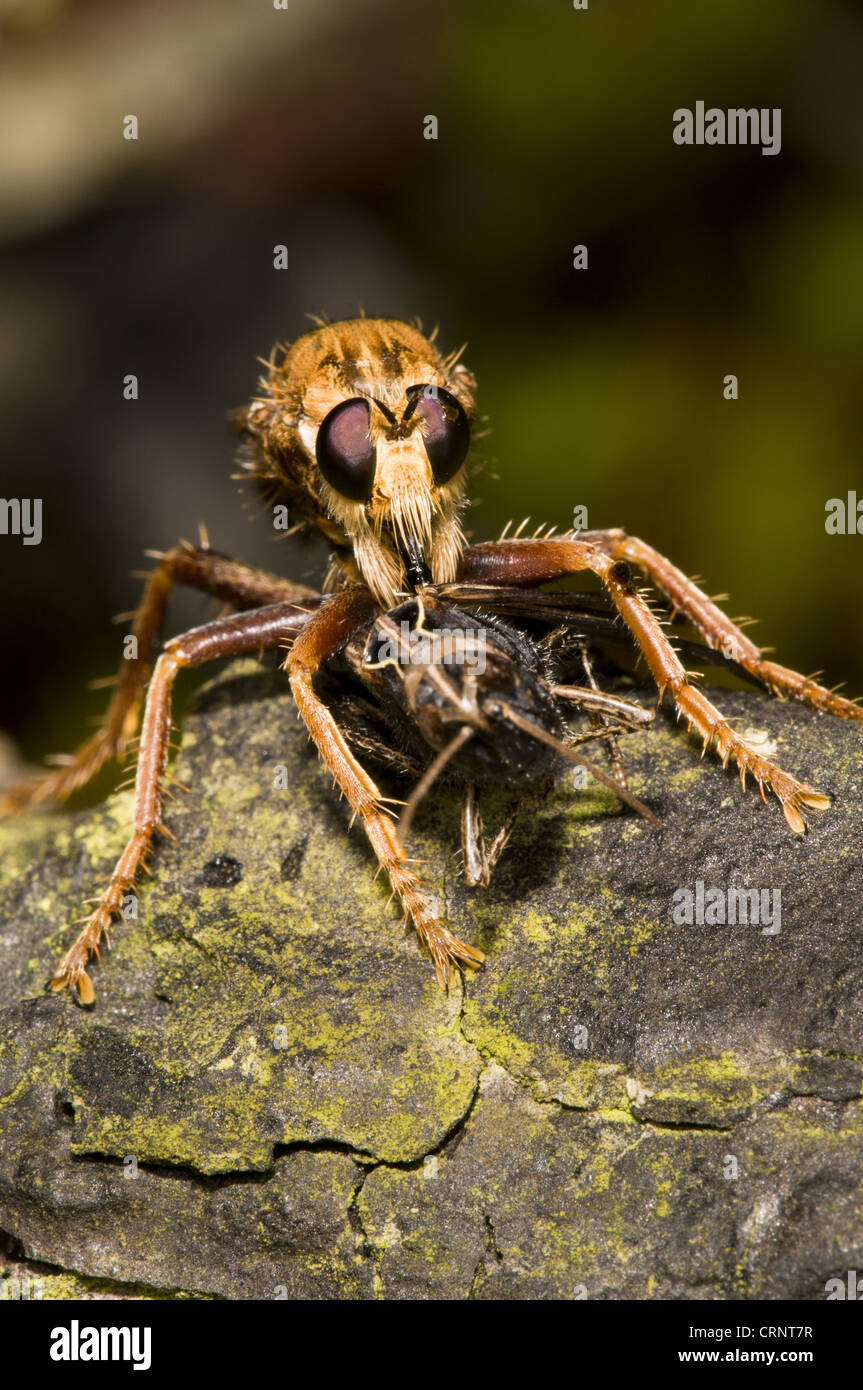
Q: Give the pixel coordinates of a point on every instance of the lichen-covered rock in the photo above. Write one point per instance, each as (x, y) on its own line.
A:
(272, 1098)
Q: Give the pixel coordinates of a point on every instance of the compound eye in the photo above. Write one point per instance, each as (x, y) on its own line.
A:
(445, 427)
(345, 452)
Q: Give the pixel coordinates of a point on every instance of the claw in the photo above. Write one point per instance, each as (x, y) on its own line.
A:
(794, 818)
(806, 796)
(447, 950)
(86, 992)
(68, 979)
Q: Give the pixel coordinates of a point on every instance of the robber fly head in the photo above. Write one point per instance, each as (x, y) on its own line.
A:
(365, 429)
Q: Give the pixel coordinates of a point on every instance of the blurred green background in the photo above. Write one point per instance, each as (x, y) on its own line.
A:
(603, 388)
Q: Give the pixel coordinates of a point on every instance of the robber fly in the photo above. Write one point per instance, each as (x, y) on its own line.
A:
(363, 430)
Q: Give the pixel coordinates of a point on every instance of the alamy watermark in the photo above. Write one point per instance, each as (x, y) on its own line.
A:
(737, 126)
(21, 516)
(719, 907)
(22, 1288)
(442, 646)
(844, 518)
(77, 1343)
(850, 1288)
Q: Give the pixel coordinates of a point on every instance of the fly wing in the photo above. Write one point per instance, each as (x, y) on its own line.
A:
(579, 615)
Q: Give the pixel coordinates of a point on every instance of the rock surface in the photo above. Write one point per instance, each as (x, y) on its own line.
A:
(272, 1098)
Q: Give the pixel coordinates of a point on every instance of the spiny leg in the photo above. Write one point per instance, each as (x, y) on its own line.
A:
(245, 634)
(528, 562)
(600, 720)
(325, 633)
(717, 629)
(237, 584)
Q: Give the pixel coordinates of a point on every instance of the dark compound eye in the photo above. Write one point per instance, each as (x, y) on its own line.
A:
(446, 429)
(345, 452)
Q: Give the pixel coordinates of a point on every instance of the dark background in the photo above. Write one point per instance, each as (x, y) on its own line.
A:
(602, 388)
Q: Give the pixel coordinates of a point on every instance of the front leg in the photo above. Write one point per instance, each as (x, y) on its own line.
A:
(324, 635)
(247, 634)
(529, 562)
